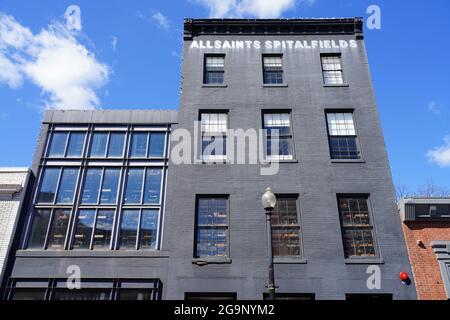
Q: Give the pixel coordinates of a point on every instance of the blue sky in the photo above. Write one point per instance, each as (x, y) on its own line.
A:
(132, 49)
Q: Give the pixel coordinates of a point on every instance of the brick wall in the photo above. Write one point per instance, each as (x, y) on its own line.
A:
(9, 206)
(425, 266)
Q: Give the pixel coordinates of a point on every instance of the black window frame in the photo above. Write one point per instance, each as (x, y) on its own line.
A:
(289, 135)
(338, 55)
(278, 71)
(223, 158)
(355, 136)
(218, 71)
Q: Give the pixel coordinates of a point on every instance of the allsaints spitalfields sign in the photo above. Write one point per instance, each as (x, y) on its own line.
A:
(273, 44)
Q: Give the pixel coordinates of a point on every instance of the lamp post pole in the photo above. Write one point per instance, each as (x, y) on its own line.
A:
(269, 200)
(271, 284)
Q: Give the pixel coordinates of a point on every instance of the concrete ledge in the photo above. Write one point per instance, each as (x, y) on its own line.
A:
(91, 254)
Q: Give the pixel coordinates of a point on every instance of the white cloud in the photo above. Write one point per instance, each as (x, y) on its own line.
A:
(440, 155)
(161, 21)
(52, 59)
(253, 8)
(434, 108)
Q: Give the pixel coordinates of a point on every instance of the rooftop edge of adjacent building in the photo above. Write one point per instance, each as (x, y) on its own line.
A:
(195, 27)
(119, 116)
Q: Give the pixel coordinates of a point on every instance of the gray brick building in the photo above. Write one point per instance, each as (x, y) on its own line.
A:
(108, 203)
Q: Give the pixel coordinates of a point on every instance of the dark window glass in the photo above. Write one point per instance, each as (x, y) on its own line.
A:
(135, 294)
(103, 229)
(207, 296)
(149, 229)
(368, 297)
(128, 229)
(99, 142)
(83, 231)
(82, 294)
(342, 136)
(133, 192)
(116, 144)
(212, 227)
(278, 136)
(58, 229)
(214, 69)
(157, 142)
(332, 69)
(76, 144)
(292, 296)
(38, 233)
(273, 69)
(91, 186)
(28, 294)
(152, 186)
(110, 185)
(139, 144)
(285, 228)
(356, 227)
(67, 185)
(48, 185)
(58, 144)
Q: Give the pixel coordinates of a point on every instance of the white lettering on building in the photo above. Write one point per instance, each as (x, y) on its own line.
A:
(273, 44)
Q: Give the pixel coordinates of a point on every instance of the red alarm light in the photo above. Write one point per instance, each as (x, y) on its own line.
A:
(404, 276)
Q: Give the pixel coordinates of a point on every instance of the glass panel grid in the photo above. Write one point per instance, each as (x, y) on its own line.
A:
(279, 136)
(332, 70)
(214, 69)
(286, 228)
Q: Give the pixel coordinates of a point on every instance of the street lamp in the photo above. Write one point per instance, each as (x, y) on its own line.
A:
(269, 200)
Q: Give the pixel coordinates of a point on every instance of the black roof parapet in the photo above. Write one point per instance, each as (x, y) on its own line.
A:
(195, 27)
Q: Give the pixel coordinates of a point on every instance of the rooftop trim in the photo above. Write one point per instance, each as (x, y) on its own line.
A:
(196, 27)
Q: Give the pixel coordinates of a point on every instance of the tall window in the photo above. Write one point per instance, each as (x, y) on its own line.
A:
(286, 228)
(212, 227)
(214, 69)
(107, 144)
(58, 185)
(357, 229)
(138, 229)
(342, 136)
(214, 136)
(278, 136)
(66, 144)
(100, 186)
(143, 186)
(147, 144)
(273, 69)
(332, 69)
(93, 229)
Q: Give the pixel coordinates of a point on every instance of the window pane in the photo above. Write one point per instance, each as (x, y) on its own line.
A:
(38, 232)
(152, 186)
(91, 186)
(128, 229)
(285, 233)
(58, 229)
(149, 228)
(157, 142)
(48, 185)
(110, 185)
(28, 294)
(76, 144)
(116, 144)
(83, 232)
(103, 229)
(58, 144)
(99, 141)
(133, 190)
(344, 148)
(139, 145)
(82, 294)
(67, 185)
(212, 212)
(135, 294)
(211, 242)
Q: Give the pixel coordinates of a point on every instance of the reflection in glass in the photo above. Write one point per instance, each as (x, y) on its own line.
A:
(157, 142)
(110, 185)
(128, 229)
(28, 294)
(82, 294)
(135, 294)
(103, 229)
(83, 231)
(149, 227)
(91, 186)
(152, 186)
(116, 143)
(41, 219)
(58, 144)
(76, 144)
(99, 141)
(139, 145)
(48, 185)
(67, 185)
(133, 190)
(58, 229)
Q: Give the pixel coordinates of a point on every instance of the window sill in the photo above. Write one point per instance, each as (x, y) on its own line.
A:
(345, 85)
(32, 253)
(214, 86)
(364, 261)
(281, 85)
(348, 161)
(211, 260)
(289, 260)
(265, 162)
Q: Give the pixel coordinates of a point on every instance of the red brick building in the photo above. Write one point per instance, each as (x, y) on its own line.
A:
(426, 226)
